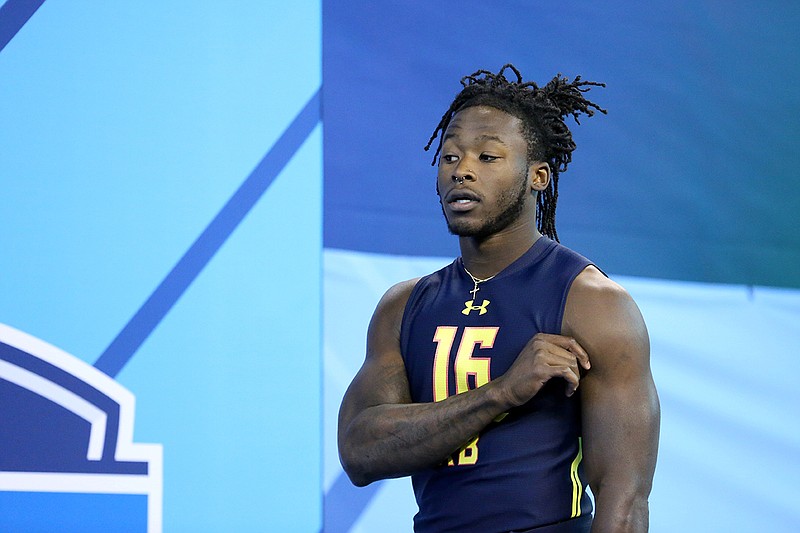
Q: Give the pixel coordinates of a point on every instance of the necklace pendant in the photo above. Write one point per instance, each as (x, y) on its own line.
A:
(474, 291)
(475, 281)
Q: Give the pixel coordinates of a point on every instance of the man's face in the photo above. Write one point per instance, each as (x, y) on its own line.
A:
(486, 148)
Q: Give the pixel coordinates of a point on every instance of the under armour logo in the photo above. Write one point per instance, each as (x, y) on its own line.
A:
(468, 307)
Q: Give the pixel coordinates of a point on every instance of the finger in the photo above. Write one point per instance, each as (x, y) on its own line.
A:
(572, 381)
(580, 353)
(583, 359)
(560, 352)
(571, 345)
(570, 375)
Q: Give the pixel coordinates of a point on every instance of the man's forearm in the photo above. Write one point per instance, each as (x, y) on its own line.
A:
(614, 514)
(388, 441)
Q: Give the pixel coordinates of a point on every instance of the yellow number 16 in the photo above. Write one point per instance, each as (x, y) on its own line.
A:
(465, 365)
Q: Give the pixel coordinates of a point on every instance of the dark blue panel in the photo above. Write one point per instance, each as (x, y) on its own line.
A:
(692, 175)
(38, 435)
(44, 436)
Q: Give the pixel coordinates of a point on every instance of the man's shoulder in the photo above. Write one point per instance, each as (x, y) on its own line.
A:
(599, 307)
(394, 299)
(400, 292)
(593, 284)
(384, 328)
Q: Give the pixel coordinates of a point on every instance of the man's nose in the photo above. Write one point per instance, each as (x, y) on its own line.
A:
(463, 173)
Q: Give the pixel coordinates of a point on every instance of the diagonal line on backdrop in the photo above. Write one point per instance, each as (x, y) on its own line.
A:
(122, 348)
(344, 503)
(13, 16)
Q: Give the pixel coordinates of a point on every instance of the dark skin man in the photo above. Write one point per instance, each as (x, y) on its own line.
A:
(488, 188)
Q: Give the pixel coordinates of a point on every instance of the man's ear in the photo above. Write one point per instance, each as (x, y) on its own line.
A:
(539, 175)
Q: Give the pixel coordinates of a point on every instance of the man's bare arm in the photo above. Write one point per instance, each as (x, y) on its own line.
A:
(382, 434)
(619, 402)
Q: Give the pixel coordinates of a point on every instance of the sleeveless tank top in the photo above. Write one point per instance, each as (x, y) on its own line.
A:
(523, 470)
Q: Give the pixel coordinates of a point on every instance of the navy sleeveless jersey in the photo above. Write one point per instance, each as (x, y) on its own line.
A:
(524, 470)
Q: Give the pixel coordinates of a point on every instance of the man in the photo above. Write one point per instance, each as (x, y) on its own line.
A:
(508, 380)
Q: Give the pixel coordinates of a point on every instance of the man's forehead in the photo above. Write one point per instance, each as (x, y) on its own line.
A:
(484, 123)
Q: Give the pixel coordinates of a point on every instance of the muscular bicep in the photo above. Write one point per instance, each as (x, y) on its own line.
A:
(382, 378)
(620, 422)
(620, 409)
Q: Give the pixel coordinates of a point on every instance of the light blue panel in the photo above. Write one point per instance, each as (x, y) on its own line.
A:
(394, 494)
(354, 283)
(125, 128)
(32, 512)
(722, 358)
(229, 383)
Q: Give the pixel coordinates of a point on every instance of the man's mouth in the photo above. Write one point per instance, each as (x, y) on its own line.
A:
(462, 200)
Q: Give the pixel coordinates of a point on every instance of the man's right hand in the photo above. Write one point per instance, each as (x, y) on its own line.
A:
(546, 356)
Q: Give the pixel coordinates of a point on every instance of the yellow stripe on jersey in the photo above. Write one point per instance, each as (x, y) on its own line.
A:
(577, 487)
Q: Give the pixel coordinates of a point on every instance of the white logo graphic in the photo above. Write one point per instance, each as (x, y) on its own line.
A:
(45, 388)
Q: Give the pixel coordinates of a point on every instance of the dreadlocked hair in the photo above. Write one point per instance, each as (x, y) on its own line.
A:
(542, 110)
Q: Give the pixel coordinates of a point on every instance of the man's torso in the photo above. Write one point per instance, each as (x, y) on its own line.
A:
(524, 469)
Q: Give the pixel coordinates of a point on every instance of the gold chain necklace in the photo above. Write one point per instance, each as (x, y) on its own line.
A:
(476, 281)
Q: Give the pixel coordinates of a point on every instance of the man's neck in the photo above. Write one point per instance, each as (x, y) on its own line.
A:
(487, 257)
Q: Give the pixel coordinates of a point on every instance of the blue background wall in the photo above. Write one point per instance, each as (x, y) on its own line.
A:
(689, 184)
(694, 167)
(161, 199)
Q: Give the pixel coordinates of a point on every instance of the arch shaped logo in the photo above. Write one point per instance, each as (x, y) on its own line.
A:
(67, 454)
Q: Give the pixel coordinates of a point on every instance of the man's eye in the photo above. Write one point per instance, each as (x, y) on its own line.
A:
(449, 158)
(487, 157)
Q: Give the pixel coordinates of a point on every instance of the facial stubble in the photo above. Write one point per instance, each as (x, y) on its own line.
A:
(510, 204)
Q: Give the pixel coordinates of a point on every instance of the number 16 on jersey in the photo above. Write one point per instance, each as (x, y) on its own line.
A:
(466, 368)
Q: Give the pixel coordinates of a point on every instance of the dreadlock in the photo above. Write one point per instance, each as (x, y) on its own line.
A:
(542, 111)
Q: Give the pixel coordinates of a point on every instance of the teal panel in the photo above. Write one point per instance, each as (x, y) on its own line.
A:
(692, 175)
